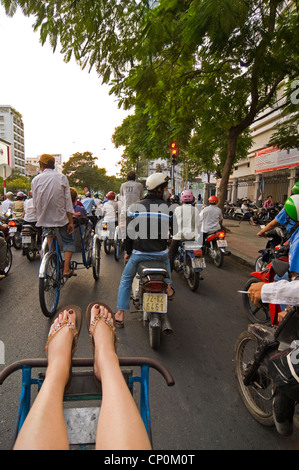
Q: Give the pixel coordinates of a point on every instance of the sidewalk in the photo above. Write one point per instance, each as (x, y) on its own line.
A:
(243, 242)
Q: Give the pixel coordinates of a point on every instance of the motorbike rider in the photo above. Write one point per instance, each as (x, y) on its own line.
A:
(246, 210)
(131, 191)
(18, 206)
(7, 205)
(211, 218)
(3, 248)
(185, 223)
(282, 219)
(146, 238)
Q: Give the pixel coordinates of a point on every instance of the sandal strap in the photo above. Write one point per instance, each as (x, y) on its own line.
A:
(65, 323)
(96, 320)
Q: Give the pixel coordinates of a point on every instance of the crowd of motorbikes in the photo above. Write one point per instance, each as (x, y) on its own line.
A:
(261, 215)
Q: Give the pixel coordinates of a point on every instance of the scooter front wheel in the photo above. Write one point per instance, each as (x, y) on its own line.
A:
(257, 397)
(256, 314)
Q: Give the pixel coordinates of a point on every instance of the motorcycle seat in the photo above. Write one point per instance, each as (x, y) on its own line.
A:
(280, 267)
(146, 267)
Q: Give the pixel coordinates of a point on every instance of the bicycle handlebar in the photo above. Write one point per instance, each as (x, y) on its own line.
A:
(85, 362)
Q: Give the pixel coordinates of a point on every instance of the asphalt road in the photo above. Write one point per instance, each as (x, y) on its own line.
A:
(203, 410)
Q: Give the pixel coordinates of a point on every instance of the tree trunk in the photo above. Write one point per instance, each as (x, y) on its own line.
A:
(231, 155)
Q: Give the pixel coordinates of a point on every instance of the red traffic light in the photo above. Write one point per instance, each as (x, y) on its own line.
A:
(174, 151)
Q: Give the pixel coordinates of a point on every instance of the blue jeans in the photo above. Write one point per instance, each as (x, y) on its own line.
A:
(125, 286)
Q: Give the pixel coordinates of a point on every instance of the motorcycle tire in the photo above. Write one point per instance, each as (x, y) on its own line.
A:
(154, 337)
(260, 264)
(193, 278)
(31, 255)
(255, 314)
(107, 246)
(17, 241)
(8, 261)
(257, 397)
(218, 258)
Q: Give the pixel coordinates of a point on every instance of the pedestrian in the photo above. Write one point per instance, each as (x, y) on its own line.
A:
(54, 209)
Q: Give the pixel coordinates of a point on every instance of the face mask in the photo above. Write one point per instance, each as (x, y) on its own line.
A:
(166, 195)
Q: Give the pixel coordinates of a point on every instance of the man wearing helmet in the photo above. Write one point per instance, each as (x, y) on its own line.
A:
(211, 217)
(147, 233)
(185, 224)
(18, 206)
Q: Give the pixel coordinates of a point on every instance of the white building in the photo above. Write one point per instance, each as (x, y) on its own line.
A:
(32, 166)
(12, 131)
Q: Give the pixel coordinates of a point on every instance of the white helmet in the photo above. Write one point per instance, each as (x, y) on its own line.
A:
(155, 180)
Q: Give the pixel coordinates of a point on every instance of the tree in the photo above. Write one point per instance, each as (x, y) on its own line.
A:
(203, 68)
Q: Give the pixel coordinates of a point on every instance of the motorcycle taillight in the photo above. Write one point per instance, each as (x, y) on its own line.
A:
(221, 234)
(154, 286)
(104, 227)
(197, 253)
(12, 223)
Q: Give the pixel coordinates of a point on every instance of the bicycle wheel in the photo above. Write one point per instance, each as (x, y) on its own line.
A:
(96, 258)
(258, 396)
(49, 285)
(254, 313)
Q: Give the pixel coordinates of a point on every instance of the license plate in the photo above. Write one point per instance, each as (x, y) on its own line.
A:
(198, 263)
(26, 239)
(13, 229)
(221, 243)
(155, 302)
(104, 233)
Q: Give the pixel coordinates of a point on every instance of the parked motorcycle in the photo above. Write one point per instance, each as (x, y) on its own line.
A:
(215, 246)
(276, 237)
(149, 296)
(190, 261)
(31, 241)
(252, 350)
(15, 229)
(266, 313)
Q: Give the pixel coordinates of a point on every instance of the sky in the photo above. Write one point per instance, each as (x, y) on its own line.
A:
(64, 109)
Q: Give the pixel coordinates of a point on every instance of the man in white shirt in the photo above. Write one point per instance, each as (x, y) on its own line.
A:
(211, 217)
(131, 191)
(52, 200)
(7, 205)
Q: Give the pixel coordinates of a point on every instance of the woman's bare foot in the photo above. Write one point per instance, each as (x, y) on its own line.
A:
(119, 318)
(104, 337)
(60, 347)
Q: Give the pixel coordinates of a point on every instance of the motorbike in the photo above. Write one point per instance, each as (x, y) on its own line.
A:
(251, 365)
(191, 262)
(277, 238)
(149, 296)
(108, 236)
(15, 229)
(31, 241)
(5, 233)
(267, 313)
(215, 246)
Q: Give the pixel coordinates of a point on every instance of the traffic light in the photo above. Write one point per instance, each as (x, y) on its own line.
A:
(174, 153)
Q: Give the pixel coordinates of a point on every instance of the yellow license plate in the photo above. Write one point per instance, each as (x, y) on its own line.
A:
(155, 303)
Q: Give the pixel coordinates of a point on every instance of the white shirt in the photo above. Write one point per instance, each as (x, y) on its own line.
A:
(131, 192)
(210, 218)
(281, 292)
(51, 198)
(6, 206)
(109, 211)
(185, 223)
(30, 212)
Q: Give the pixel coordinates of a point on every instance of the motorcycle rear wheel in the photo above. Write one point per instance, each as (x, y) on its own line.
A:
(258, 396)
(8, 261)
(193, 278)
(17, 241)
(255, 314)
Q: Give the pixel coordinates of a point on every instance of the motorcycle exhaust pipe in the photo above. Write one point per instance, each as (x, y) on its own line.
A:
(166, 326)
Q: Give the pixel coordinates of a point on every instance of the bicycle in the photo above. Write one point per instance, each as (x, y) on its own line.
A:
(51, 279)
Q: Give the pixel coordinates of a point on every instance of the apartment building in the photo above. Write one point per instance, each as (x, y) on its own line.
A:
(12, 131)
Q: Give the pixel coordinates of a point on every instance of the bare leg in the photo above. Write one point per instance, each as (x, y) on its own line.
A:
(44, 427)
(120, 425)
(67, 259)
